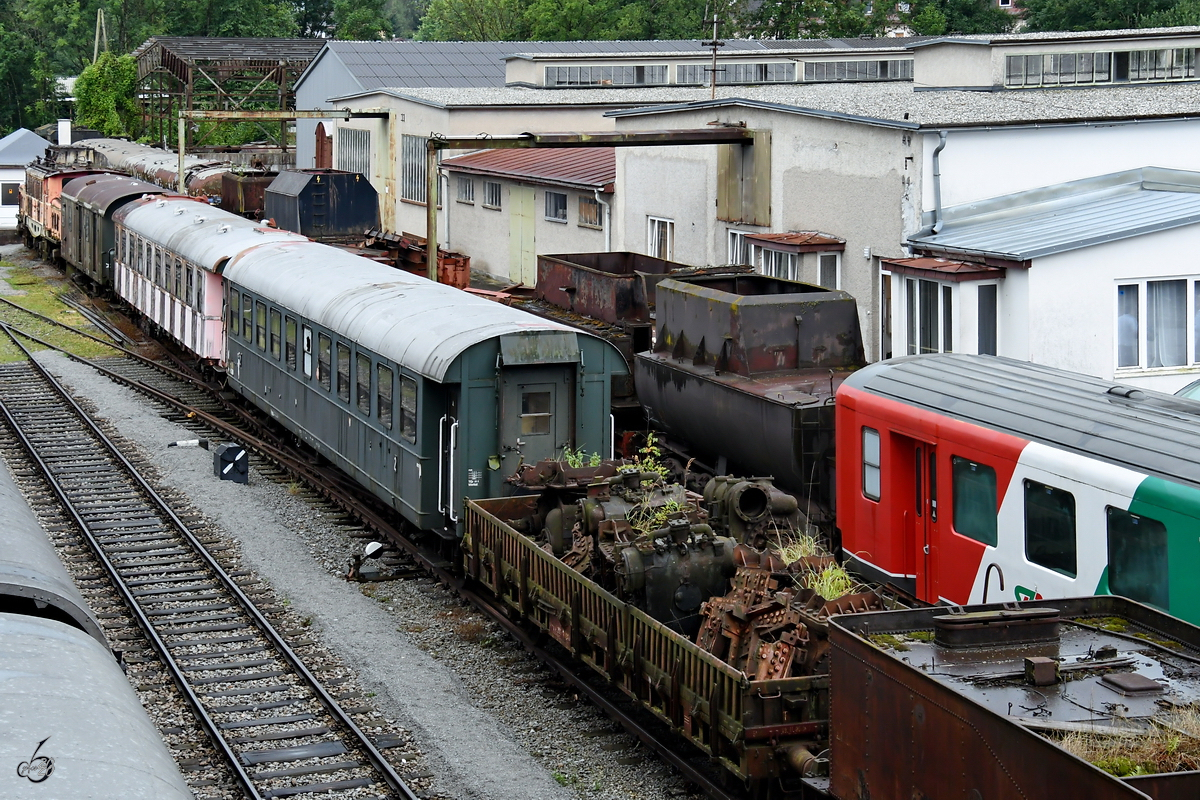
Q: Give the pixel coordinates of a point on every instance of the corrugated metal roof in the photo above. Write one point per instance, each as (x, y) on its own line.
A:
(21, 147)
(193, 49)
(421, 325)
(204, 235)
(465, 64)
(801, 241)
(99, 192)
(942, 269)
(1069, 216)
(578, 167)
(1151, 432)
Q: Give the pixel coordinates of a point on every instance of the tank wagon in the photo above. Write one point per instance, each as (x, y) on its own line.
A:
(87, 234)
(201, 177)
(72, 725)
(743, 374)
(423, 393)
(1051, 483)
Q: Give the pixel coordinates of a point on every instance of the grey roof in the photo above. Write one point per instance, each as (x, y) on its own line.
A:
(30, 567)
(1134, 35)
(412, 64)
(416, 323)
(895, 104)
(101, 192)
(1150, 432)
(1069, 216)
(528, 96)
(21, 147)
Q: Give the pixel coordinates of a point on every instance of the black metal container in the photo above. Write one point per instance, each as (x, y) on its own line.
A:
(323, 204)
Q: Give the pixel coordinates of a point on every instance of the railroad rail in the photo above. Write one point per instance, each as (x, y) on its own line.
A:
(342, 492)
(281, 731)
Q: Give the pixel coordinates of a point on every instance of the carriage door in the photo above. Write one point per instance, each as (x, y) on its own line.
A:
(450, 457)
(535, 421)
(306, 350)
(920, 511)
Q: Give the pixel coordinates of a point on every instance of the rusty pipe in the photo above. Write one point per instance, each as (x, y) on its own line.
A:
(798, 757)
(987, 577)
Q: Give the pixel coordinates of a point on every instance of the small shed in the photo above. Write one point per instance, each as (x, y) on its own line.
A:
(18, 149)
(323, 204)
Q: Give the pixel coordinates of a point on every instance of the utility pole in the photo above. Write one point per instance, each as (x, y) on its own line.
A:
(101, 30)
(714, 44)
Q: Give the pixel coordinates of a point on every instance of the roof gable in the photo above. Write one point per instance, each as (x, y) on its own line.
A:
(21, 147)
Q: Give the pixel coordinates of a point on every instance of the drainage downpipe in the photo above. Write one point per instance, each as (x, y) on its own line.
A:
(607, 222)
(937, 181)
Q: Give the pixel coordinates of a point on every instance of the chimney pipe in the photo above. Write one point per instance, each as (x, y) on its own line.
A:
(64, 131)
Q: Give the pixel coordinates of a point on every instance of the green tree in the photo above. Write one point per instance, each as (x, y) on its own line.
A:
(928, 20)
(360, 20)
(474, 21)
(313, 17)
(106, 96)
(1090, 15)
(1185, 12)
(937, 17)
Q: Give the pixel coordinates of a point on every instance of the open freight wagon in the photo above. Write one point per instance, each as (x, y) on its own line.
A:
(762, 732)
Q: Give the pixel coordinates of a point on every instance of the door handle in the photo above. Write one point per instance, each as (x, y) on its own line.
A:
(926, 548)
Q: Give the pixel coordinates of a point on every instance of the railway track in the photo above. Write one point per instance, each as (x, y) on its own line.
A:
(190, 401)
(280, 730)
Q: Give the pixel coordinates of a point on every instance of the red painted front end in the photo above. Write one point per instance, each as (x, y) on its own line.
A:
(907, 536)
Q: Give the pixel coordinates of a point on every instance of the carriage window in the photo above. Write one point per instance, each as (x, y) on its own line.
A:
(191, 287)
(343, 373)
(199, 291)
(158, 279)
(247, 318)
(141, 257)
(275, 322)
(362, 378)
(289, 342)
(408, 409)
(324, 354)
(235, 311)
(383, 386)
(166, 281)
(870, 457)
(261, 318)
(974, 511)
(1137, 558)
(535, 412)
(1050, 527)
(179, 279)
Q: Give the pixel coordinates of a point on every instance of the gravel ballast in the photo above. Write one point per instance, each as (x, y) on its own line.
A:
(490, 721)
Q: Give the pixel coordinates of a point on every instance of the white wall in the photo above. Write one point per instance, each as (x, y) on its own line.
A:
(978, 164)
(8, 214)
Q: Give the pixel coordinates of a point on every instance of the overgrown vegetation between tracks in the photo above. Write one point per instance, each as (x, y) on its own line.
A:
(44, 296)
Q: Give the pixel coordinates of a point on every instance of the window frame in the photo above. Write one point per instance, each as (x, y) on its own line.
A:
(738, 251)
(1031, 486)
(290, 342)
(344, 379)
(7, 189)
(989, 538)
(275, 334)
(917, 322)
(775, 263)
(555, 196)
(668, 225)
(464, 190)
(582, 219)
(260, 325)
(247, 318)
(409, 411)
(867, 465)
(1163, 577)
(325, 368)
(384, 401)
(837, 269)
(362, 392)
(1143, 327)
(499, 189)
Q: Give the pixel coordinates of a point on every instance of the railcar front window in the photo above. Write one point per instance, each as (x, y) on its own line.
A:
(289, 342)
(408, 409)
(1050, 527)
(974, 500)
(247, 318)
(260, 313)
(1137, 558)
(343, 373)
(871, 463)
(275, 323)
(362, 378)
(383, 385)
(324, 356)
(535, 413)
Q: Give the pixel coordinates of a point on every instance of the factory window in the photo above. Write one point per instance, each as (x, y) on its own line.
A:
(591, 213)
(1071, 69)
(630, 75)
(466, 190)
(974, 500)
(289, 342)
(383, 387)
(535, 413)
(261, 318)
(324, 355)
(660, 238)
(1050, 527)
(362, 384)
(343, 373)
(1156, 323)
(987, 319)
(413, 174)
(491, 195)
(408, 409)
(900, 69)
(354, 150)
(1137, 558)
(556, 206)
(776, 263)
(8, 194)
(871, 464)
(235, 312)
(191, 288)
(737, 73)
(829, 270)
(930, 316)
(275, 325)
(247, 318)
